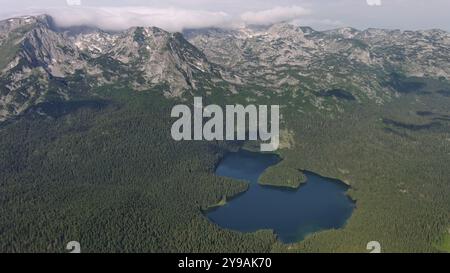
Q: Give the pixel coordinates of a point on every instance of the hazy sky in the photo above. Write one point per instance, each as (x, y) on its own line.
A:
(178, 14)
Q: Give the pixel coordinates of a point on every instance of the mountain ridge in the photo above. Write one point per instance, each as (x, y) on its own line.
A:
(140, 58)
(280, 59)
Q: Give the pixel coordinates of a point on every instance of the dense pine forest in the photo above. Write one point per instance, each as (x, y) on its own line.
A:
(109, 176)
(103, 170)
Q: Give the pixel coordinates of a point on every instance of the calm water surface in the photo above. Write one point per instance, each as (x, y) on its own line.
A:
(319, 204)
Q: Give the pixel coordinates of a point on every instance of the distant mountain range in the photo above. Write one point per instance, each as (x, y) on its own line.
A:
(39, 61)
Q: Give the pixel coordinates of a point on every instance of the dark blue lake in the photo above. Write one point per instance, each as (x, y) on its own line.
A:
(319, 204)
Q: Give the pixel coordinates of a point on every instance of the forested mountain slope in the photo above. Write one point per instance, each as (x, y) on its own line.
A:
(86, 152)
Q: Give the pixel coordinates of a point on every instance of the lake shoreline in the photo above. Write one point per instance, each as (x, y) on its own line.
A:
(284, 210)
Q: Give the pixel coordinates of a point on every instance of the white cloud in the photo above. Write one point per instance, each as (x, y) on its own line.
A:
(120, 18)
(374, 2)
(171, 19)
(73, 2)
(402, 14)
(274, 15)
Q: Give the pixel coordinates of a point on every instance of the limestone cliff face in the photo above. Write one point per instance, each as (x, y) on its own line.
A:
(38, 60)
(35, 54)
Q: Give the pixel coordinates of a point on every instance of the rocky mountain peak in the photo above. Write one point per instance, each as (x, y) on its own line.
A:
(345, 32)
(279, 58)
(142, 58)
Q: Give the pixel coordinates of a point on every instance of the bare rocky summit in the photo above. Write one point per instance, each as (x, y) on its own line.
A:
(38, 61)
